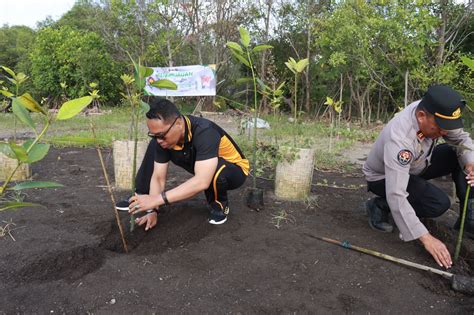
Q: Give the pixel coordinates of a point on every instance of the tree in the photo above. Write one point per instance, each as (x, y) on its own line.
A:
(15, 43)
(75, 58)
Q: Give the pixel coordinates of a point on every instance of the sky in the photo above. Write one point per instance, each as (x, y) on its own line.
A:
(29, 12)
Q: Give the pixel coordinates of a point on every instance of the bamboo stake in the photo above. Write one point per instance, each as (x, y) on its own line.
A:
(346, 244)
(111, 194)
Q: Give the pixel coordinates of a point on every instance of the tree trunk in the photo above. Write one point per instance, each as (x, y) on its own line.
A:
(441, 32)
(307, 83)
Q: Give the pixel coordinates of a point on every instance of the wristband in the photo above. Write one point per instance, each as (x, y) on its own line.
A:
(152, 210)
(163, 195)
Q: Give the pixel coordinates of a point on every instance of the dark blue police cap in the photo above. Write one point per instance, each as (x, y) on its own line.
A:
(446, 106)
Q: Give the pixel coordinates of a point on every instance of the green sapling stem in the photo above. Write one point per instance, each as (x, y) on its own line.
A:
(461, 227)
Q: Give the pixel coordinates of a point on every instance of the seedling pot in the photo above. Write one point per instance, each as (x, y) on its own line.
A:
(255, 198)
(293, 178)
(123, 159)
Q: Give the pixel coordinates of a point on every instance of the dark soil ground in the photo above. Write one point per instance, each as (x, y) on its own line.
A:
(68, 257)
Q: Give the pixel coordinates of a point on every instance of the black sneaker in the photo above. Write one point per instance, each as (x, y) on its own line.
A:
(378, 217)
(218, 216)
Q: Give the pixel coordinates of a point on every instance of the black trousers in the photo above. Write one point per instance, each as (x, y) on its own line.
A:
(228, 176)
(427, 200)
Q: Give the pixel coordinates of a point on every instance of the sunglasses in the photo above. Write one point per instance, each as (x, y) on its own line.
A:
(162, 135)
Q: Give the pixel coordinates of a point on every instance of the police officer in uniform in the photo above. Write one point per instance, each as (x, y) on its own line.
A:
(406, 155)
(195, 144)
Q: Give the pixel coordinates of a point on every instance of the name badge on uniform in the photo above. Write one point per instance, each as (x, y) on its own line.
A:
(404, 157)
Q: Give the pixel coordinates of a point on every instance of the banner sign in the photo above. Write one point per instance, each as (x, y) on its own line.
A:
(191, 80)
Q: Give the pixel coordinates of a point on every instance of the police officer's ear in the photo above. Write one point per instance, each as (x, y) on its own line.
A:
(422, 116)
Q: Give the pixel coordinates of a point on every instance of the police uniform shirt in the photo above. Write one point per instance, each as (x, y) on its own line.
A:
(401, 150)
(203, 140)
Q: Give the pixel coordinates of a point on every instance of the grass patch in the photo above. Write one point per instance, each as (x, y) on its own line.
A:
(114, 124)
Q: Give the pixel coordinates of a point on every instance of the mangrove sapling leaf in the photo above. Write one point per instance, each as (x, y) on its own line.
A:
(165, 84)
(13, 205)
(145, 72)
(37, 152)
(30, 103)
(20, 152)
(22, 113)
(301, 65)
(235, 46)
(73, 107)
(31, 185)
(6, 150)
(9, 71)
(241, 58)
(6, 93)
(244, 37)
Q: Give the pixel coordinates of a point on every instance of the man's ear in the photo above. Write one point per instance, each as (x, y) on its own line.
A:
(421, 115)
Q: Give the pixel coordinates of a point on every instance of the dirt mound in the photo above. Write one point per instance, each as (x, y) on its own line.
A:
(69, 265)
(177, 225)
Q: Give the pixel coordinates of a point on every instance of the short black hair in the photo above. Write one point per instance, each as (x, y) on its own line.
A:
(421, 107)
(162, 109)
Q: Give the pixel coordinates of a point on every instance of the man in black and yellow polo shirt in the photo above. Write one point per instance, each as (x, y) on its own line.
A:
(199, 146)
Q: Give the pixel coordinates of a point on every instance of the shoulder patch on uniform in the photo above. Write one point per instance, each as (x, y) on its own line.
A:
(404, 157)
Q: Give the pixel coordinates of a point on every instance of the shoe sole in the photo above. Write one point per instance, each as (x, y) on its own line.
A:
(217, 222)
(370, 221)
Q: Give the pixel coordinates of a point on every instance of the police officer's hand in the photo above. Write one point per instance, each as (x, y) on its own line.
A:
(149, 220)
(437, 249)
(469, 170)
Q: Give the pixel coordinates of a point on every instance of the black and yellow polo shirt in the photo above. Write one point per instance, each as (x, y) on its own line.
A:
(203, 140)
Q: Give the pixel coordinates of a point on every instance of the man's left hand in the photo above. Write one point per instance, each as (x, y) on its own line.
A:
(139, 203)
(469, 170)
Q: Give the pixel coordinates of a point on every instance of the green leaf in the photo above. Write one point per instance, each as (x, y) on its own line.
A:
(73, 107)
(244, 80)
(144, 106)
(240, 58)
(29, 102)
(20, 152)
(10, 71)
(31, 185)
(22, 113)
(244, 37)
(37, 152)
(6, 93)
(468, 62)
(13, 205)
(145, 72)
(77, 140)
(290, 66)
(261, 47)
(301, 65)
(234, 46)
(329, 101)
(6, 150)
(165, 84)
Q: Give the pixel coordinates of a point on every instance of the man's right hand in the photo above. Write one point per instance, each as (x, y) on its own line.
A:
(437, 249)
(150, 220)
